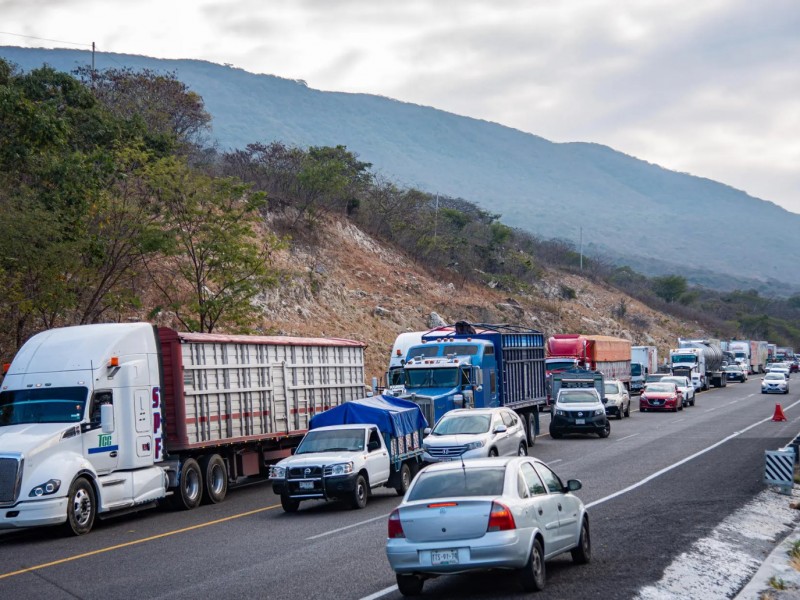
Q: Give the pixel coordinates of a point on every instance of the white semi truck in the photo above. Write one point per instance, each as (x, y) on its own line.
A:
(99, 419)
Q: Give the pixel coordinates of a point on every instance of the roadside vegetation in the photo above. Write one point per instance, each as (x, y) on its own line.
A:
(115, 205)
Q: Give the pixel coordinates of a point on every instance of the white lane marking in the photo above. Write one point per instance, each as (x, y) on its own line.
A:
(678, 420)
(649, 478)
(710, 409)
(383, 592)
(552, 462)
(332, 531)
(626, 437)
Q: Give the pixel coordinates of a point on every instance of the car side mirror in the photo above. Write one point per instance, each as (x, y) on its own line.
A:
(573, 485)
(500, 429)
(426, 431)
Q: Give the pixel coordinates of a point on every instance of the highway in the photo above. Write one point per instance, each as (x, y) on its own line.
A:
(660, 482)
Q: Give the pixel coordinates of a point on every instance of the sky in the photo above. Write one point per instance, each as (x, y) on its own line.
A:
(706, 87)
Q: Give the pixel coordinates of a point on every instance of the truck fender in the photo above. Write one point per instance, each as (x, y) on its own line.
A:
(65, 467)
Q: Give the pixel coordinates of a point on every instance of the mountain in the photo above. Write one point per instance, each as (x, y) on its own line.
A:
(631, 211)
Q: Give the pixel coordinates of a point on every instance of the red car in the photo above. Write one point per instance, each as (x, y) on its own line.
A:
(660, 395)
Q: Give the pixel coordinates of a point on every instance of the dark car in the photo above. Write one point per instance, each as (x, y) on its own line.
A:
(661, 396)
(655, 377)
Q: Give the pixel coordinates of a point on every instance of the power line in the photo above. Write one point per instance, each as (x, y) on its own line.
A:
(32, 37)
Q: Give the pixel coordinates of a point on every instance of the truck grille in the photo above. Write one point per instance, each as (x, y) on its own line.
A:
(10, 478)
(304, 472)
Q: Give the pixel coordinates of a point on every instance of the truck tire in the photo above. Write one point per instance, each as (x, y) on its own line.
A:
(190, 486)
(404, 480)
(289, 504)
(215, 479)
(358, 497)
(81, 508)
(530, 422)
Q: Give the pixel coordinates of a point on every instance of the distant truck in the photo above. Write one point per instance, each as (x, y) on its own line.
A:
(608, 355)
(772, 353)
(478, 365)
(751, 354)
(351, 449)
(98, 419)
(644, 360)
(396, 374)
(783, 353)
(700, 361)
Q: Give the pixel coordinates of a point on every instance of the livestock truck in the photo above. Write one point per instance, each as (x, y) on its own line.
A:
(644, 360)
(700, 361)
(478, 365)
(103, 419)
(608, 355)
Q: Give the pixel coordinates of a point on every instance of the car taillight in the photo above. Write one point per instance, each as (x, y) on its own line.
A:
(395, 526)
(500, 519)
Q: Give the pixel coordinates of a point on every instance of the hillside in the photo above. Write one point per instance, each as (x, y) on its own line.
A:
(352, 286)
(655, 220)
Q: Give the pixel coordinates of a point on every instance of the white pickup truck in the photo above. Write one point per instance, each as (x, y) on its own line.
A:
(350, 450)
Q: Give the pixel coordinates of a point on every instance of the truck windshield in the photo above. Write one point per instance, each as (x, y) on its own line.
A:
(636, 369)
(431, 378)
(559, 365)
(49, 405)
(683, 358)
(338, 440)
(397, 376)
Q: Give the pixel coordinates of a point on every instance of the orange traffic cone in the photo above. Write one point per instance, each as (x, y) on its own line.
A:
(778, 416)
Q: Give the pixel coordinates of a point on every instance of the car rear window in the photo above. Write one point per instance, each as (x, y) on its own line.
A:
(458, 482)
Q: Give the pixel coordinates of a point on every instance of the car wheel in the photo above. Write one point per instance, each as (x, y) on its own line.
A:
(628, 410)
(763, 392)
(81, 508)
(493, 452)
(556, 435)
(530, 421)
(619, 413)
(692, 402)
(358, 497)
(410, 585)
(642, 409)
(289, 504)
(523, 449)
(405, 480)
(582, 553)
(605, 431)
(532, 575)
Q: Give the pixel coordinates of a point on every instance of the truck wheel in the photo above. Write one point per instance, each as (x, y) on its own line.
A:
(405, 480)
(410, 585)
(81, 508)
(530, 420)
(289, 504)
(190, 486)
(358, 498)
(215, 478)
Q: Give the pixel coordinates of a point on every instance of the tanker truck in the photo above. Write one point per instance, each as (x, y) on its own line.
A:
(700, 361)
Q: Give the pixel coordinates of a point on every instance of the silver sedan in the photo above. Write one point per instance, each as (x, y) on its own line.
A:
(496, 513)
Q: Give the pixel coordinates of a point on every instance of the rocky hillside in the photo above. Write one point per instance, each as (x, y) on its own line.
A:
(348, 285)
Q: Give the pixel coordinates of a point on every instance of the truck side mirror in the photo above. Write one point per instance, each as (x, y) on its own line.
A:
(458, 401)
(107, 418)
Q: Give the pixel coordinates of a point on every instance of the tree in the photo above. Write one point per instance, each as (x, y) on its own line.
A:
(670, 287)
(215, 259)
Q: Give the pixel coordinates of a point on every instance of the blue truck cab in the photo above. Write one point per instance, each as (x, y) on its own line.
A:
(478, 366)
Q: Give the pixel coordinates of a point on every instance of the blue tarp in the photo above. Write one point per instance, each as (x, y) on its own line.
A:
(393, 416)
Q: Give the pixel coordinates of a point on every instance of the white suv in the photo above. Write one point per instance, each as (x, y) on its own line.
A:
(475, 433)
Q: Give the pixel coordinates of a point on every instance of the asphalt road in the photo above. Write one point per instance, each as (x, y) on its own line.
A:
(657, 484)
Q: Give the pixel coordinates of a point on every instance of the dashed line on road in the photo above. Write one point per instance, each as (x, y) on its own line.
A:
(332, 531)
(626, 437)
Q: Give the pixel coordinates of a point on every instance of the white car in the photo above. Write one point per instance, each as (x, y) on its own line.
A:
(510, 514)
(774, 383)
(475, 433)
(779, 368)
(618, 400)
(684, 386)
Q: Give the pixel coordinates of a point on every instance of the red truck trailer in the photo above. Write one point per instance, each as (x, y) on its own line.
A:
(609, 355)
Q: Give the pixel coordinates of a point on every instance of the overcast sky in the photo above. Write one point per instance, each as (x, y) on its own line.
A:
(708, 87)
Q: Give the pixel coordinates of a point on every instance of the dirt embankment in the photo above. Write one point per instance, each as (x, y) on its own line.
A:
(351, 286)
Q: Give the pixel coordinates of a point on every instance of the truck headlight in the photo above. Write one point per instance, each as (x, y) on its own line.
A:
(276, 472)
(339, 469)
(475, 445)
(45, 489)
(600, 411)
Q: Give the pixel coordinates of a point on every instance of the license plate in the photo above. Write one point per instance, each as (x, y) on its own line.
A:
(580, 421)
(306, 485)
(444, 557)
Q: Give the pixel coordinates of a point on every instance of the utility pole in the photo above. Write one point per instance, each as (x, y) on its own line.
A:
(92, 64)
(580, 246)
(436, 218)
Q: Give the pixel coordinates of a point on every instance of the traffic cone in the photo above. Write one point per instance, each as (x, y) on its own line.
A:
(778, 416)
